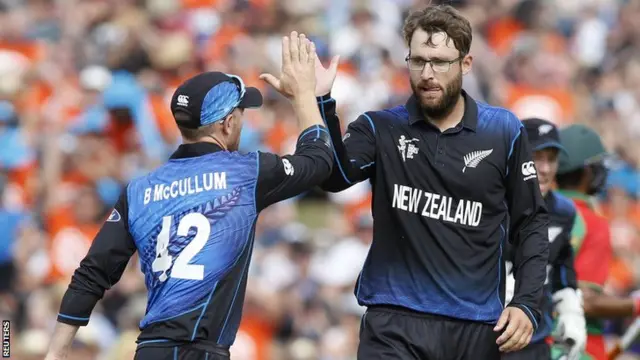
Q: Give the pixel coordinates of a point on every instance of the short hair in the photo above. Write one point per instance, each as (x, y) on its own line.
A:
(192, 134)
(440, 18)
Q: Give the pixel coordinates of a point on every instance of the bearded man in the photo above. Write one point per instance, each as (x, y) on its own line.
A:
(452, 180)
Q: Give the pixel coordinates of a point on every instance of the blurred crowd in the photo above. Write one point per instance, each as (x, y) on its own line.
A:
(84, 107)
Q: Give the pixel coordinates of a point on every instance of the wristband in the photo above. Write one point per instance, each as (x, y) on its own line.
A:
(636, 307)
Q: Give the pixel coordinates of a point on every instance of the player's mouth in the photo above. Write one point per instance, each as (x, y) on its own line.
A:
(430, 90)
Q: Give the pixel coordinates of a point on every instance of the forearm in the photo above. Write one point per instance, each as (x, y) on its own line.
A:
(306, 110)
(530, 263)
(61, 341)
(357, 163)
(606, 306)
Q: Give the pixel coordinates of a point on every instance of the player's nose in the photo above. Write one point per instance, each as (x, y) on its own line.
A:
(427, 72)
(543, 167)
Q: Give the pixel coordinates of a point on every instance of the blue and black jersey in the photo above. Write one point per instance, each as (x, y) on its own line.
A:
(192, 222)
(445, 204)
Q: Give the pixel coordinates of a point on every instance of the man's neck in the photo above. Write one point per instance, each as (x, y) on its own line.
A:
(452, 119)
(206, 139)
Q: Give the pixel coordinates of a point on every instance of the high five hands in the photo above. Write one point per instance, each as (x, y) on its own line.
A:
(301, 69)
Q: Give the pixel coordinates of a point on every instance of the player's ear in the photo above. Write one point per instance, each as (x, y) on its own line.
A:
(228, 124)
(466, 63)
(237, 118)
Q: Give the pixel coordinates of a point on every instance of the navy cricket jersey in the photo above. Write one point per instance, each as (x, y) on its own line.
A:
(444, 204)
(560, 270)
(192, 222)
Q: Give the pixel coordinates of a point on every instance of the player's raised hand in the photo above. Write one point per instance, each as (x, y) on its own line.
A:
(326, 76)
(518, 332)
(298, 67)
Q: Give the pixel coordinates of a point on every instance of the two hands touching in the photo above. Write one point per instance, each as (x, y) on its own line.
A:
(302, 73)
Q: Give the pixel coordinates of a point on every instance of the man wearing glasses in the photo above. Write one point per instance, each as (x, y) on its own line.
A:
(192, 221)
(453, 180)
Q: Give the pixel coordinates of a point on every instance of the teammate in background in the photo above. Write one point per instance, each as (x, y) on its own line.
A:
(192, 220)
(453, 180)
(561, 285)
(582, 174)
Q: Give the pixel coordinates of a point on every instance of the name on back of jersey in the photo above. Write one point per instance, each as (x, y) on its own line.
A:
(436, 206)
(186, 186)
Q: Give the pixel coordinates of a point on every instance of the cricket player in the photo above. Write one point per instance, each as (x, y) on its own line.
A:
(561, 284)
(453, 180)
(581, 174)
(192, 220)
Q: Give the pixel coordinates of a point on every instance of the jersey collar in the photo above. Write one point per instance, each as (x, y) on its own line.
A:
(195, 149)
(469, 119)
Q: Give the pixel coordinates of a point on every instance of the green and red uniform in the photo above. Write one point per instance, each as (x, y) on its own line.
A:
(591, 242)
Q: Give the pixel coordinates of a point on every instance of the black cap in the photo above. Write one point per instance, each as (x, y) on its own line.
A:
(542, 134)
(210, 97)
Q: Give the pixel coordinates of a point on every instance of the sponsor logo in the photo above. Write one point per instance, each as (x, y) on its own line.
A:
(183, 100)
(529, 170)
(288, 168)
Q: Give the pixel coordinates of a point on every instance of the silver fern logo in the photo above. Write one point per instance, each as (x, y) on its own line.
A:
(471, 160)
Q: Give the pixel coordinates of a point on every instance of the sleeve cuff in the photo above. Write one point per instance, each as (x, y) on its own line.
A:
(76, 308)
(73, 320)
(529, 313)
(324, 98)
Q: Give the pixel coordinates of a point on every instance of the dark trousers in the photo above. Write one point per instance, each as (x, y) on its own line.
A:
(537, 351)
(395, 333)
(184, 352)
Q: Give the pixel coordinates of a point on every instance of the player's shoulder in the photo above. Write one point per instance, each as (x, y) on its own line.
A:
(562, 205)
(497, 118)
(395, 114)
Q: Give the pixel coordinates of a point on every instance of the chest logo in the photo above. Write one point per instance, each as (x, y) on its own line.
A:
(471, 160)
(407, 148)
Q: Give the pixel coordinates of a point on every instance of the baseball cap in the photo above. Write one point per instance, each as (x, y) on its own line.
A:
(542, 134)
(583, 146)
(211, 96)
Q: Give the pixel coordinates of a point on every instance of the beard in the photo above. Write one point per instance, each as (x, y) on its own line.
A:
(442, 106)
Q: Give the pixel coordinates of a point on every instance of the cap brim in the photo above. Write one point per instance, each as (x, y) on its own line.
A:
(549, 145)
(252, 99)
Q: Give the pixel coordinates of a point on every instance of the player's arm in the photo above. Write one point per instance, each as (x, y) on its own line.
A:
(566, 298)
(596, 303)
(528, 232)
(101, 268)
(563, 272)
(564, 283)
(355, 156)
(283, 177)
(600, 305)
